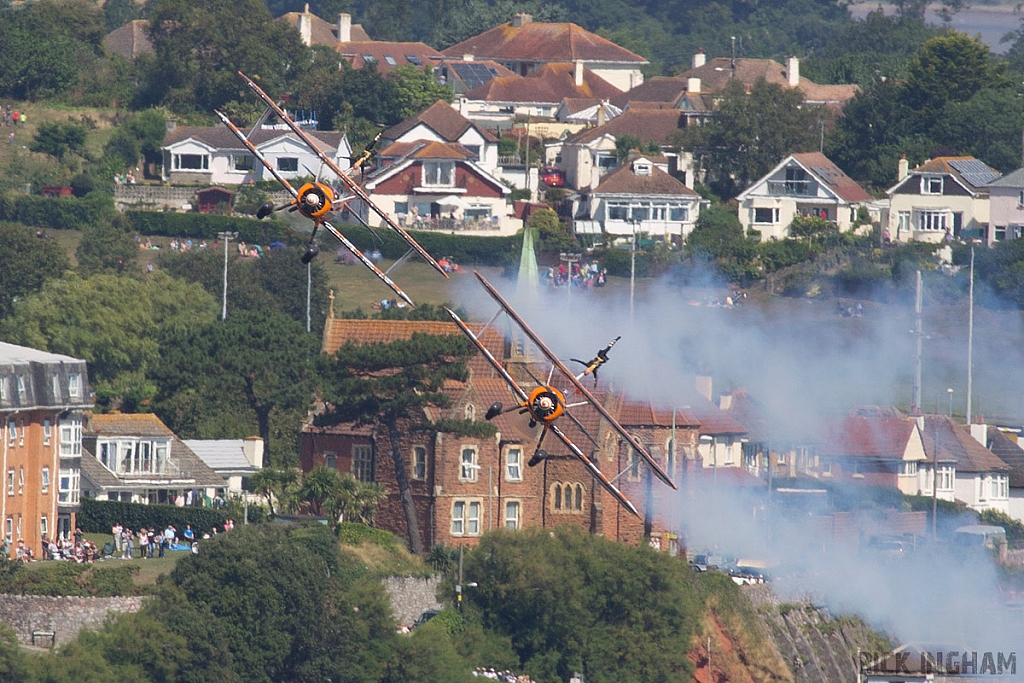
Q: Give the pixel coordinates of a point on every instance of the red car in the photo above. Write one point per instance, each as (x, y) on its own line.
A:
(552, 177)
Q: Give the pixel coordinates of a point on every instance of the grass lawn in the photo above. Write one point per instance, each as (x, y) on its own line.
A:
(149, 569)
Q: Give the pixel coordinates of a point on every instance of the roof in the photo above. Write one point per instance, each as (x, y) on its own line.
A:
(661, 89)
(388, 55)
(543, 42)
(129, 40)
(645, 414)
(1004, 446)
(831, 177)
(430, 149)
(14, 354)
(471, 74)
(973, 174)
(716, 73)
(650, 125)
(221, 137)
(1014, 179)
(126, 424)
(322, 32)
(441, 118)
(550, 83)
(97, 473)
(590, 114)
(189, 466)
(221, 454)
(955, 442)
(625, 180)
(867, 436)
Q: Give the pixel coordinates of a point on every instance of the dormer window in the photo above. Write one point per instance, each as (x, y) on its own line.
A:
(642, 167)
(75, 385)
(439, 173)
(21, 387)
(931, 184)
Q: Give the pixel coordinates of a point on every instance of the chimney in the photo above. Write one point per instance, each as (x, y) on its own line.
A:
(467, 57)
(171, 124)
(699, 58)
(252, 448)
(521, 19)
(980, 433)
(344, 28)
(692, 84)
(600, 112)
(577, 73)
(725, 402)
(703, 384)
(793, 71)
(903, 168)
(306, 28)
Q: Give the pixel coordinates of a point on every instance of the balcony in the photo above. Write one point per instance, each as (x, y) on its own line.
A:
(792, 188)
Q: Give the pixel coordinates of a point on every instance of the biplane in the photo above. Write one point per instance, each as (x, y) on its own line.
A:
(318, 201)
(546, 403)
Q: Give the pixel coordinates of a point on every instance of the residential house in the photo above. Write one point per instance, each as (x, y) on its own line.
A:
(641, 198)
(135, 458)
(524, 45)
(212, 155)
(804, 184)
(539, 94)
(387, 55)
(943, 196)
(235, 460)
(717, 73)
(671, 92)
(882, 447)
(586, 110)
(466, 74)
(722, 437)
(1006, 208)
(316, 31)
(438, 185)
(464, 485)
(441, 123)
(590, 154)
(42, 399)
(1005, 446)
(982, 480)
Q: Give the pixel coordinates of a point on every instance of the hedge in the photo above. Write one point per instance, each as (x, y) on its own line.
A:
(67, 578)
(56, 213)
(206, 226)
(99, 516)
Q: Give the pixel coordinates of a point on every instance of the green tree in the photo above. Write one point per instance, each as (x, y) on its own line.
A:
(14, 665)
(565, 597)
(389, 385)
(750, 133)
(26, 262)
(429, 656)
(417, 89)
(553, 234)
(117, 13)
(987, 126)
(716, 233)
(273, 484)
(114, 322)
(339, 496)
(108, 246)
(58, 139)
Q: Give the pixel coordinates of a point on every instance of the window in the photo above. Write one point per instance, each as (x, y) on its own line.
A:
(369, 59)
(12, 432)
(473, 519)
(465, 518)
(288, 164)
(567, 497)
(439, 173)
(512, 515)
(469, 412)
(44, 525)
(468, 468)
(514, 464)
(3, 390)
(243, 162)
(10, 482)
(47, 432)
(617, 212)
(557, 497)
(477, 212)
(909, 468)
(21, 480)
(931, 185)
(945, 477)
(331, 460)
(390, 60)
(71, 437)
(414, 60)
(934, 221)
(679, 213)
(191, 162)
(1004, 487)
(633, 473)
(45, 485)
(402, 208)
(993, 487)
(21, 388)
(68, 485)
(826, 467)
(474, 149)
(419, 462)
(1020, 199)
(55, 386)
(362, 462)
(766, 216)
(8, 529)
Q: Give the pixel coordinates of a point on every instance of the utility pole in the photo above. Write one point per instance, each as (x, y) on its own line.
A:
(915, 399)
(970, 341)
(227, 237)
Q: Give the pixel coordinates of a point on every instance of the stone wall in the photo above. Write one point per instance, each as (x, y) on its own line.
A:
(411, 596)
(63, 616)
(172, 196)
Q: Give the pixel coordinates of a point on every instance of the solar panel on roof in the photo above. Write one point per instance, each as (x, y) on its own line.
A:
(827, 173)
(473, 75)
(975, 172)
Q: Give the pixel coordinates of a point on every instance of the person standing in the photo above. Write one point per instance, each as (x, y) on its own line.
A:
(116, 531)
(143, 543)
(129, 546)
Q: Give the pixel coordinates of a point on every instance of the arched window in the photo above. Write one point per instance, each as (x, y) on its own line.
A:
(577, 503)
(558, 497)
(470, 412)
(568, 497)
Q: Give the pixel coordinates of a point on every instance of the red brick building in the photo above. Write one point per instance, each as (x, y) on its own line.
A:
(464, 486)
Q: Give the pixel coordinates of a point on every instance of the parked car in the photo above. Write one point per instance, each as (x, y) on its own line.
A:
(552, 177)
(703, 563)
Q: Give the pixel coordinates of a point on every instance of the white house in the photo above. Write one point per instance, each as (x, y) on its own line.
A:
(236, 460)
(982, 479)
(805, 184)
(1006, 208)
(1005, 446)
(214, 156)
(441, 123)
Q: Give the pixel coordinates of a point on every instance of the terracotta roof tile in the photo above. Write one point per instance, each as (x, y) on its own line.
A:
(833, 177)
(551, 83)
(126, 424)
(624, 180)
(440, 117)
(650, 125)
(543, 42)
(323, 32)
(356, 52)
(867, 436)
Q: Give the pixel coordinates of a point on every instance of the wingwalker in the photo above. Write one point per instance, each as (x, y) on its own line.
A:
(318, 201)
(546, 403)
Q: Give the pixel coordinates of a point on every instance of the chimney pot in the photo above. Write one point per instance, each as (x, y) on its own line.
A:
(903, 168)
(171, 124)
(699, 58)
(577, 73)
(467, 57)
(306, 28)
(521, 19)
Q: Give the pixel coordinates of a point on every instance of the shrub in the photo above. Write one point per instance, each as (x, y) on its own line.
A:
(98, 516)
(485, 251)
(353, 533)
(57, 213)
(206, 226)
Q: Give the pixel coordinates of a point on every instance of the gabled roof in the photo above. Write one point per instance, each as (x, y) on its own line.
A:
(322, 32)
(716, 73)
(221, 454)
(659, 89)
(955, 442)
(829, 176)
(219, 137)
(650, 125)
(441, 118)
(625, 180)
(1014, 179)
(1004, 446)
(404, 154)
(543, 42)
(383, 53)
(129, 40)
(974, 175)
(551, 83)
(867, 436)
(645, 414)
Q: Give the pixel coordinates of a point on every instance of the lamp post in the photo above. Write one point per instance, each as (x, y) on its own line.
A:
(226, 237)
(949, 390)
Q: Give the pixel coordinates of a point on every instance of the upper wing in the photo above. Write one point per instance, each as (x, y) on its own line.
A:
(639, 447)
(610, 487)
(350, 184)
(512, 384)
